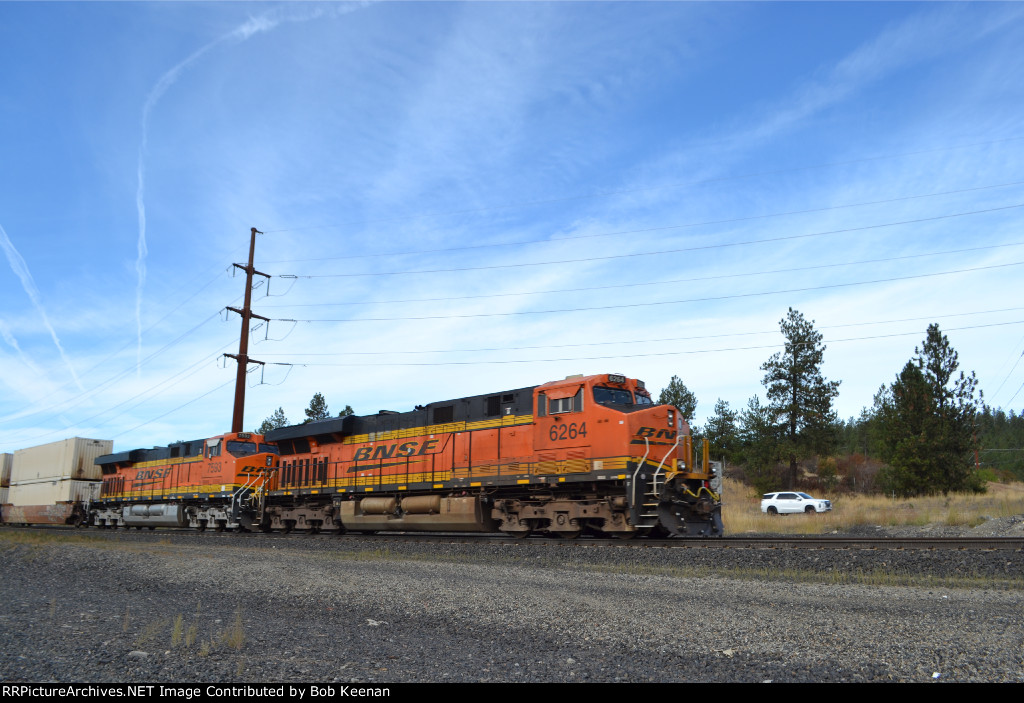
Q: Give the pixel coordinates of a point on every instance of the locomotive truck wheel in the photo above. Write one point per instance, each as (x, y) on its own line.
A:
(221, 525)
(202, 526)
(567, 534)
(289, 525)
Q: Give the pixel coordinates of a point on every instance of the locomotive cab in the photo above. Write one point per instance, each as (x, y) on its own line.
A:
(592, 418)
(220, 482)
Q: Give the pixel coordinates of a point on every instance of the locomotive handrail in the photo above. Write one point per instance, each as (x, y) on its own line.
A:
(237, 493)
(647, 444)
(658, 470)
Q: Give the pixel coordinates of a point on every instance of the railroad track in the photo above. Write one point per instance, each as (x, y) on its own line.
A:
(744, 542)
(801, 542)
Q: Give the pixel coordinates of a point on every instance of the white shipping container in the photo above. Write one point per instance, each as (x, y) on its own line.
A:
(73, 458)
(5, 469)
(49, 492)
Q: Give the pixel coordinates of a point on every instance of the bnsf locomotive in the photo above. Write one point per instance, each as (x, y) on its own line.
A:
(583, 454)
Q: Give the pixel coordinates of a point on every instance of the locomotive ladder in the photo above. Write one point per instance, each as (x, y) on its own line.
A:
(648, 512)
(240, 496)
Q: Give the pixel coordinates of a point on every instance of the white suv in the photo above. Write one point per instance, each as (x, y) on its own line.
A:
(793, 502)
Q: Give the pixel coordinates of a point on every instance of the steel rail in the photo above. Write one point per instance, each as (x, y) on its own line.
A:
(745, 542)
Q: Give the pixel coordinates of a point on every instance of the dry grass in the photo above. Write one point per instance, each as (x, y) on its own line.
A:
(150, 632)
(741, 510)
(234, 636)
(178, 631)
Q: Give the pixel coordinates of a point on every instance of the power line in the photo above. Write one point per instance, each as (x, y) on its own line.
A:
(656, 253)
(1015, 394)
(1010, 373)
(690, 184)
(654, 283)
(86, 394)
(655, 303)
(653, 229)
(635, 356)
(633, 341)
(187, 372)
(82, 397)
(173, 410)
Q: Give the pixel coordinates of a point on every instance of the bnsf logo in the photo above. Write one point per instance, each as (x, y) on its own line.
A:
(152, 473)
(393, 450)
(657, 434)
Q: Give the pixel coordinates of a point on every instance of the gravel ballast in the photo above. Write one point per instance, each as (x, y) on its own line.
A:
(169, 607)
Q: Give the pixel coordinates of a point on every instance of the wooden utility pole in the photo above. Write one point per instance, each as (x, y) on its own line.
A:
(243, 342)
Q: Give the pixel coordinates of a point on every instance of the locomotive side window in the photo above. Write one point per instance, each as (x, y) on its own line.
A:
(561, 405)
(567, 405)
(542, 404)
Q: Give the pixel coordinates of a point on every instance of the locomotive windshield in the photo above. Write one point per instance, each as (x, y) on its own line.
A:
(612, 396)
(239, 449)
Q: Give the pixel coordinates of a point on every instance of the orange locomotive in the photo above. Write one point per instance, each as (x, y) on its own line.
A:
(220, 483)
(588, 453)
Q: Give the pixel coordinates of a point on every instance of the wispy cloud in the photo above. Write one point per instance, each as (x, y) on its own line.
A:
(20, 269)
(263, 23)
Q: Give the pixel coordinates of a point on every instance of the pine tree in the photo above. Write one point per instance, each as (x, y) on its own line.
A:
(347, 411)
(798, 395)
(677, 394)
(273, 422)
(928, 422)
(317, 409)
(903, 410)
(721, 431)
(759, 445)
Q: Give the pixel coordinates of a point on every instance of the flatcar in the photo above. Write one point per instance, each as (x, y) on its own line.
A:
(588, 453)
(221, 482)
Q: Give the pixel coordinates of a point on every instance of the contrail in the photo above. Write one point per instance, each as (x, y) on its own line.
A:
(254, 25)
(20, 269)
(5, 332)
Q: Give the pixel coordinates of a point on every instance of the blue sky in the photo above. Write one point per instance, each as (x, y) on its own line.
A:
(464, 198)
